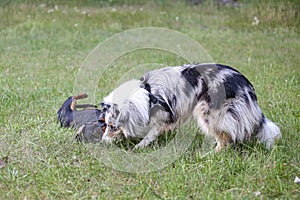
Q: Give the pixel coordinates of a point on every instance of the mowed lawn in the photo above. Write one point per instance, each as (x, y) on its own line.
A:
(42, 46)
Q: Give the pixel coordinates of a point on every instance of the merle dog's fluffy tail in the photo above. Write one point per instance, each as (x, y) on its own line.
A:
(268, 133)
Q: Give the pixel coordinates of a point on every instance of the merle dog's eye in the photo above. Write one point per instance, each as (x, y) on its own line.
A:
(104, 106)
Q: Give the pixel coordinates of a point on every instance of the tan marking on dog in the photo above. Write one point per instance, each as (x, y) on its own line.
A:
(199, 110)
(223, 140)
(73, 105)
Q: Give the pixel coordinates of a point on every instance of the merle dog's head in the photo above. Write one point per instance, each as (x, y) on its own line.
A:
(114, 105)
(110, 116)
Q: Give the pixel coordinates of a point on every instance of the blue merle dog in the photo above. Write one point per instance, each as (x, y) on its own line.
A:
(219, 97)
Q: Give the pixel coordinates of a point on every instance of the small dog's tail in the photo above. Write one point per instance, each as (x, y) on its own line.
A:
(268, 133)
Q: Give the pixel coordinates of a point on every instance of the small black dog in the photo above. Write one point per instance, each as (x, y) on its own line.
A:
(89, 122)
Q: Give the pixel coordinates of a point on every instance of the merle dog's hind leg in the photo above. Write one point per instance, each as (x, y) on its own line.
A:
(223, 140)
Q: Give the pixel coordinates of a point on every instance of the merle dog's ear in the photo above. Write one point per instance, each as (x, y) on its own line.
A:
(122, 117)
(115, 110)
(101, 104)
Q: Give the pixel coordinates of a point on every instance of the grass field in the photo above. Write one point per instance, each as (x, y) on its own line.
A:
(42, 47)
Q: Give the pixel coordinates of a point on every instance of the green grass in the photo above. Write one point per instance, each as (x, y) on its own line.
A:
(41, 50)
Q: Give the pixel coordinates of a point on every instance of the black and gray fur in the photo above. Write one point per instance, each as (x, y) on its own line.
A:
(221, 99)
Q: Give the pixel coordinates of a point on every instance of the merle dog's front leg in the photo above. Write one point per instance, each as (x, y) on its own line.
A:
(150, 137)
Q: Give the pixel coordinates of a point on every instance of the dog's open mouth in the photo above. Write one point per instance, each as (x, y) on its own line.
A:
(113, 131)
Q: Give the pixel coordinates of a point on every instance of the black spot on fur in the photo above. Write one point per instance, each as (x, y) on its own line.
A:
(153, 100)
(191, 75)
(204, 93)
(234, 83)
(222, 67)
(147, 87)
